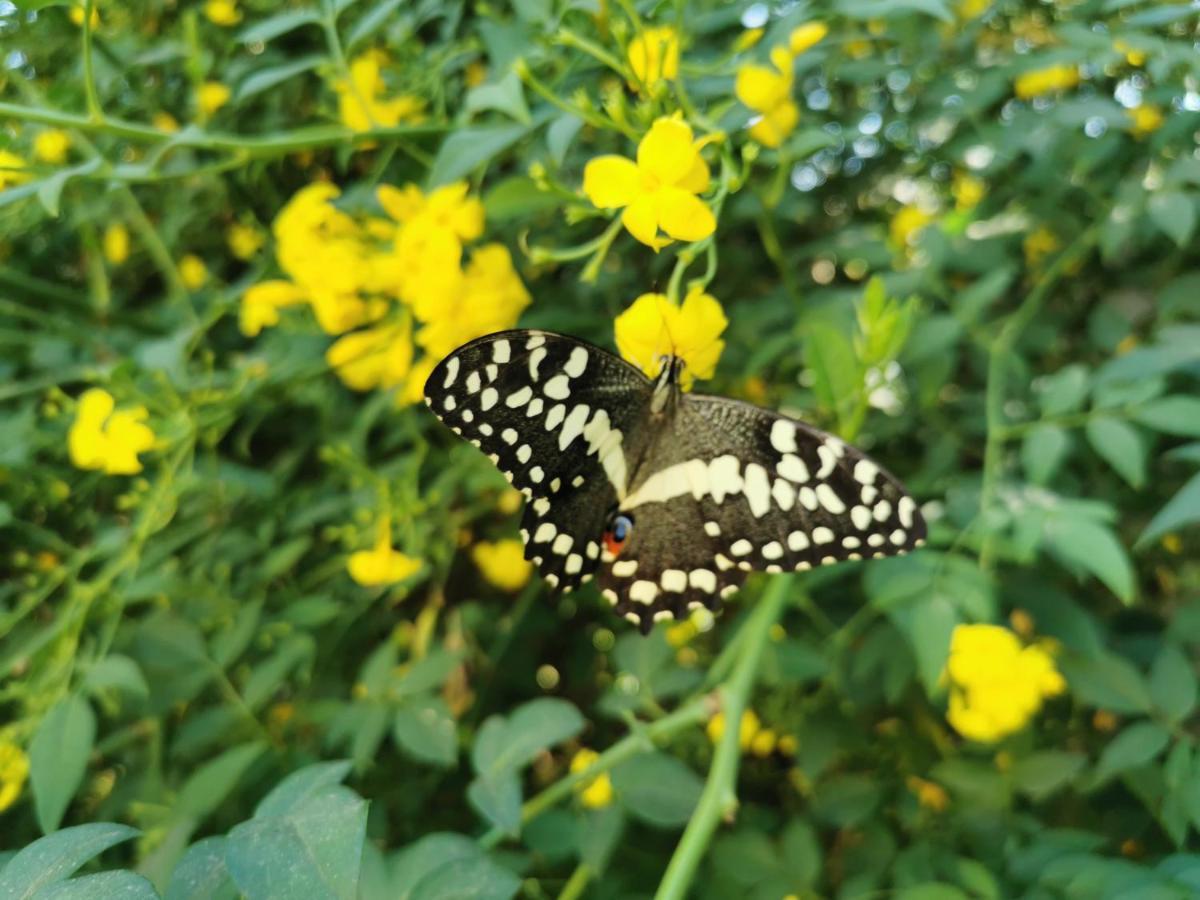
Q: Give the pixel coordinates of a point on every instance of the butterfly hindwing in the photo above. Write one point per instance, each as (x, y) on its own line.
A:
(557, 417)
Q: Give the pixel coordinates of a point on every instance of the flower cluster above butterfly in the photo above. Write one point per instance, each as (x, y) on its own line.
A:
(667, 498)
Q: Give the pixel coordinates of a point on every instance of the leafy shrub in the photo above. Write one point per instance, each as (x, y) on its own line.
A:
(264, 627)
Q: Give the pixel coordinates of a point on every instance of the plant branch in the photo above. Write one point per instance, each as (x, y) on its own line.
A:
(719, 797)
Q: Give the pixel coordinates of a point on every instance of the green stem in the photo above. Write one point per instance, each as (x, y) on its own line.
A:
(691, 713)
(278, 144)
(998, 359)
(577, 883)
(719, 798)
(95, 112)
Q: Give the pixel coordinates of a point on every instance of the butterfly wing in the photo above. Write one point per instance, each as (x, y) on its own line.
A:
(558, 417)
(729, 488)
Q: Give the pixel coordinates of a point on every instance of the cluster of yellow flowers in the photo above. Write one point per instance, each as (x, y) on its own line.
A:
(108, 439)
(361, 105)
(752, 736)
(350, 272)
(596, 792)
(996, 684)
(768, 89)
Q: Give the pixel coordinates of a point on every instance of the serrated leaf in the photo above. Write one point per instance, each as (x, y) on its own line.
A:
(58, 758)
(1121, 446)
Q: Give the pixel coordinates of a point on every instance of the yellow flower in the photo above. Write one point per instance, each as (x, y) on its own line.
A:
(503, 563)
(448, 207)
(116, 243)
(12, 170)
(929, 794)
(654, 327)
(749, 728)
(681, 632)
(193, 272)
(14, 769)
(475, 73)
(1133, 56)
(1045, 81)
(968, 191)
(763, 743)
(807, 36)
(51, 146)
(659, 190)
(261, 304)
(222, 12)
(906, 224)
(768, 91)
(164, 121)
(106, 439)
(76, 15)
(996, 685)
(654, 55)
(1038, 245)
(360, 106)
(1145, 119)
(377, 357)
(747, 39)
(244, 240)
(973, 9)
(414, 388)
(210, 97)
(382, 564)
(788, 745)
(597, 792)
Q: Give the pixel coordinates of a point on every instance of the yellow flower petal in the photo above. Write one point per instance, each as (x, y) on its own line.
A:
(667, 152)
(14, 770)
(684, 216)
(772, 128)
(761, 88)
(641, 220)
(653, 327)
(261, 304)
(611, 181)
(654, 55)
(807, 36)
(503, 563)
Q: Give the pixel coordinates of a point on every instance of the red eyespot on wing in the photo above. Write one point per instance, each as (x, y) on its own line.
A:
(611, 544)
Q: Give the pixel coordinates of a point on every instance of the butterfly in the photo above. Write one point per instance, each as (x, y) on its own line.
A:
(667, 498)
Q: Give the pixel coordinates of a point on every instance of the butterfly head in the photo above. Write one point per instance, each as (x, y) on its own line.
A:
(620, 527)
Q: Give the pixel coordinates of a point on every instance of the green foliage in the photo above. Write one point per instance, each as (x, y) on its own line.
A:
(997, 296)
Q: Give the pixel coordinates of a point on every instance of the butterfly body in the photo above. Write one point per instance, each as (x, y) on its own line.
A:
(667, 498)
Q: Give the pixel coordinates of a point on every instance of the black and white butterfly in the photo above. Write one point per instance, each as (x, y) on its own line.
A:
(672, 497)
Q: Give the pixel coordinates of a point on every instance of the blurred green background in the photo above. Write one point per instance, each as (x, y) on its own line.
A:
(264, 626)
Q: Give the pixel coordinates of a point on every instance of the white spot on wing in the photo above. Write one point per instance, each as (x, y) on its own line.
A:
(865, 471)
(451, 372)
(501, 351)
(519, 398)
(830, 500)
(577, 362)
(624, 568)
(643, 591)
(573, 426)
(783, 436)
(793, 468)
(558, 388)
(474, 382)
(488, 398)
(822, 535)
(757, 489)
(674, 580)
(703, 579)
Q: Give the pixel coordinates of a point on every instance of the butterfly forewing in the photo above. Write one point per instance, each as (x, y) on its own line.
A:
(712, 488)
(558, 417)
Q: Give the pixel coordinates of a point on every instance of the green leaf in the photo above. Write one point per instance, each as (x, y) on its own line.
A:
(55, 857)
(837, 376)
(1177, 414)
(211, 783)
(658, 789)
(466, 149)
(560, 134)
(371, 22)
(1175, 215)
(427, 731)
(49, 190)
(875, 9)
(1043, 451)
(58, 758)
(201, 873)
(101, 886)
(517, 198)
(429, 854)
(802, 853)
(1086, 545)
(497, 797)
(1107, 681)
(1121, 446)
(845, 801)
(1135, 746)
(598, 834)
(427, 673)
(297, 788)
(507, 745)
(1182, 509)
(116, 672)
(506, 96)
(313, 852)
(1064, 391)
(1173, 683)
(264, 79)
(1040, 774)
(268, 29)
(468, 879)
